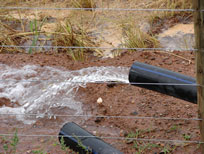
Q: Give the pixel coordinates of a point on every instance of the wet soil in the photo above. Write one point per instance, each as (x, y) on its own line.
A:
(118, 100)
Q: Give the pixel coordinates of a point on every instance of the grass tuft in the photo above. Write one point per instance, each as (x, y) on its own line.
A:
(135, 38)
(69, 35)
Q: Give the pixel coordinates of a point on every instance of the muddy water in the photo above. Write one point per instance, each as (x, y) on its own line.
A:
(34, 89)
(180, 36)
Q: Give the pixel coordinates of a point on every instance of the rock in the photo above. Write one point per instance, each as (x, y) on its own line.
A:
(111, 85)
(99, 101)
(134, 113)
(98, 119)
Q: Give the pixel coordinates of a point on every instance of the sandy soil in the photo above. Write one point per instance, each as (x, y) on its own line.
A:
(123, 100)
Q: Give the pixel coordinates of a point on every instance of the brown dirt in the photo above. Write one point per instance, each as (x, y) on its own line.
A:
(123, 100)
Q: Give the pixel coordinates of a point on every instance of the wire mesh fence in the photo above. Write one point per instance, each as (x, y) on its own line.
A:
(102, 48)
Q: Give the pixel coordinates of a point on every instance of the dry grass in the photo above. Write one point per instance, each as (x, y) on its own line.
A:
(169, 4)
(135, 38)
(9, 35)
(70, 35)
(83, 3)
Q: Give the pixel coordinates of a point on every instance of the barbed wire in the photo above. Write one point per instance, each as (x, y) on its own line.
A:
(102, 48)
(98, 9)
(101, 116)
(109, 137)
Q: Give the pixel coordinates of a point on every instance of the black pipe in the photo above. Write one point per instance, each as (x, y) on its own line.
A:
(144, 73)
(84, 142)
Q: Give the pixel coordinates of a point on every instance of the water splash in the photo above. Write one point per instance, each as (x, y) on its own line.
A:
(38, 89)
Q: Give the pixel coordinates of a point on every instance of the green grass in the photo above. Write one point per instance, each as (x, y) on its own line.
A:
(187, 136)
(10, 144)
(35, 28)
(142, 147)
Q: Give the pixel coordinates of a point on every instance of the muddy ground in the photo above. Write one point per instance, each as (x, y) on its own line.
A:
(119, 100)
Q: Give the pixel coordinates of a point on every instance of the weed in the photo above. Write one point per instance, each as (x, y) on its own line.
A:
(35, 28)
(38, 152)
(168, 149)
(186, 136)
(10, 145)
(142, 147)
(174, 128)
(62, 143)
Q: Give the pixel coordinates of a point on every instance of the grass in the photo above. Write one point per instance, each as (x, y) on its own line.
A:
(145, 147)
(135, 38)
(156, 17)
(83, 3)
(66, 34)
(70, 35)
(35, 28)
(10, 145)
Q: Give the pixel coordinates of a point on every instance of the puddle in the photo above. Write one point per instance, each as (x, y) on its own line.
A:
(38, 89)
(178, 37)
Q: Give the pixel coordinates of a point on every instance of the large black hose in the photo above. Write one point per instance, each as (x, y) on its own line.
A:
(143, 73)
(84, 142)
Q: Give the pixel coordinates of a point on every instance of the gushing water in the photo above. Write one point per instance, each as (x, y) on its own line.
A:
(38, 89)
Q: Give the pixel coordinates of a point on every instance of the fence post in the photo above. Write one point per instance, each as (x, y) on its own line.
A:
(199, 38)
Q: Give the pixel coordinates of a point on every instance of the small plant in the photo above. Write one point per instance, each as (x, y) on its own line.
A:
(186, 136)
(174, 128)
(10, 146)
(62, 143)
(38, 152)
(168, 149)
(35, 28)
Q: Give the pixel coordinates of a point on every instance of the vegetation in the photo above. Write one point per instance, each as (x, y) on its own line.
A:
(169, 4)
(145, 147)
(135, 38)
(10, 145)
(73, 36)
(83, 3)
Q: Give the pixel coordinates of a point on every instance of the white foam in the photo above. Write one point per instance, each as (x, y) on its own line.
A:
(56, 89)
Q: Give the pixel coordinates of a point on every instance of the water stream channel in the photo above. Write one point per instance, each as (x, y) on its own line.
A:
(36, 90)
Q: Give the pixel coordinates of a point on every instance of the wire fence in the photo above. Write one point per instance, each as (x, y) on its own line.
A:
(112, 138)
(102, 48)
(100, 9)
(100, 116)
(98, 82)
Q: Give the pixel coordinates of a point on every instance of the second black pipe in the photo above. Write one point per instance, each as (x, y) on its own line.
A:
(144, 73)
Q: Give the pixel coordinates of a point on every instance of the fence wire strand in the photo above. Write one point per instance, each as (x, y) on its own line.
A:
(101, 116)
(102, 48)
(99, 9)
(109, 137)
(104, 82)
